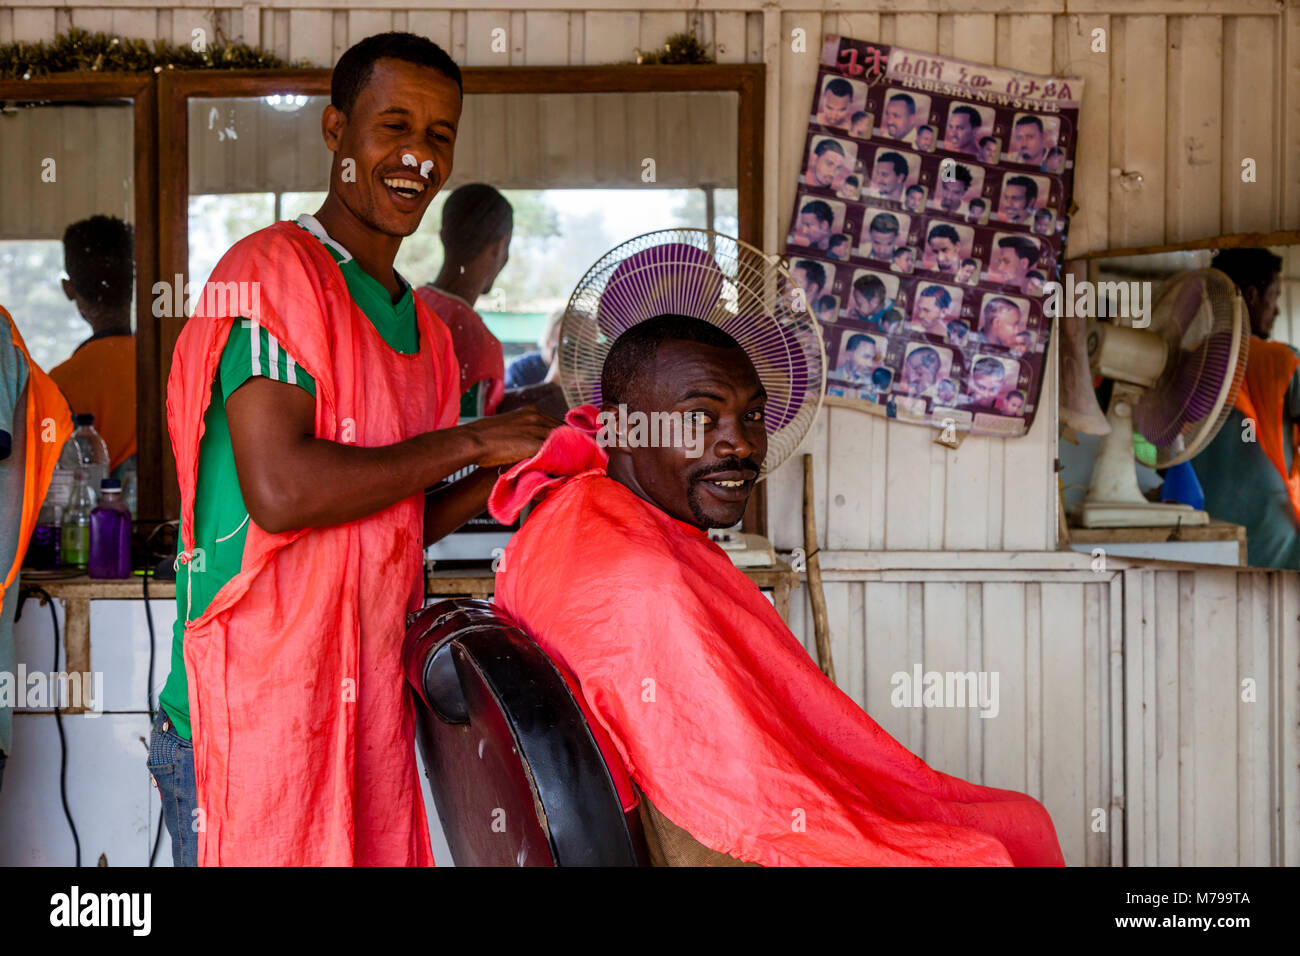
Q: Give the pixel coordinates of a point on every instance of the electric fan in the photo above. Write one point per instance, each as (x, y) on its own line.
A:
(1175, 383)
(709, 276)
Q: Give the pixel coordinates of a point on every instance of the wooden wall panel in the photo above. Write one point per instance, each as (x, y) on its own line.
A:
(1250, 67)
(1137, 136)
(1194, 127)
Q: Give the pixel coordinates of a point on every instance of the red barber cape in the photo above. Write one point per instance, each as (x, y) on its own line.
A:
(303, 731)
(717, 711)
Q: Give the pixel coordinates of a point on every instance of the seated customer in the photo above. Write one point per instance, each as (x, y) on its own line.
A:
(741, 748)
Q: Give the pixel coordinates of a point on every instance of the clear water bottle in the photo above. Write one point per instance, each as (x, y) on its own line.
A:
(43, 551)
(110, 533)
(92, 453)
(75, 532)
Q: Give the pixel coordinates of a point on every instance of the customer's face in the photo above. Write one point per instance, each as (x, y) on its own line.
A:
(720, 390)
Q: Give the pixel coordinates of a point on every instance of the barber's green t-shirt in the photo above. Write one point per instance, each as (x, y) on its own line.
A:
(220, 516)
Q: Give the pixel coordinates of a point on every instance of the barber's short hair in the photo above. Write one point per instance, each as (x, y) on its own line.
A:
(352, 72)
(633, 352)
(856, 340)
(1030, 121)
(1249, 268)
(972, 114)
(985, 365)
(977, 201)
(474, 216)
(99, 257)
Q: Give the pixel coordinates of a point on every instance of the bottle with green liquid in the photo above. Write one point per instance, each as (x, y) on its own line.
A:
(76, 523)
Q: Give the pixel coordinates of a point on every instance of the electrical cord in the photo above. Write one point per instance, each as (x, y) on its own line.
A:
(58, 720)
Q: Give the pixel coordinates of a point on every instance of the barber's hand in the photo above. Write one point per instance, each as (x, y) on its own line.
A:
(511, 437)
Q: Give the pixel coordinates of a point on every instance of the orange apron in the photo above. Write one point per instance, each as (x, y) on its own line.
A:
(49, 424)
(1268, 376)
(303, 731)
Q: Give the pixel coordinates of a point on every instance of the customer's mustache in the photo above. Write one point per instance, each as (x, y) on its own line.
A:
(729, 464)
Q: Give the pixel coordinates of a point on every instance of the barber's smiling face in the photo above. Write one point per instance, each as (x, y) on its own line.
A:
(720, 390)
(404, 109)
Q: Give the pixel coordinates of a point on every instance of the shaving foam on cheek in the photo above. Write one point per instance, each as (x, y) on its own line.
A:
(425, 167)
(409, 160)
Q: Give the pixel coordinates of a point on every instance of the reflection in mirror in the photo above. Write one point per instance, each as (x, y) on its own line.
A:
(583, 172)
(1242, 474)
(67, 260)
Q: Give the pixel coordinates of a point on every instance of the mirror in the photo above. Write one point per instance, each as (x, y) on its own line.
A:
(68, 172)
(1233, 473)
(583, 171)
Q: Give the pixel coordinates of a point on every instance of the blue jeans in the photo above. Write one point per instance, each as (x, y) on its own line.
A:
(171, 764)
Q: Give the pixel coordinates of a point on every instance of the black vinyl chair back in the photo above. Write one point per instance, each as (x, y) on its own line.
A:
(516, 774)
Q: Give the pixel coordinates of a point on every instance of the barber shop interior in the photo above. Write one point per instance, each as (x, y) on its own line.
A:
(732, 433)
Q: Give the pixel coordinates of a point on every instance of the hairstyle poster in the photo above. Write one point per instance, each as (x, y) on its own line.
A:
(931, 210)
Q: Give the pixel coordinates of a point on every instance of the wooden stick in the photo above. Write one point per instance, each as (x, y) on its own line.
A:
(821, 621)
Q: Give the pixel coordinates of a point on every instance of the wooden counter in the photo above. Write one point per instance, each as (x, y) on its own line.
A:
(76, 593)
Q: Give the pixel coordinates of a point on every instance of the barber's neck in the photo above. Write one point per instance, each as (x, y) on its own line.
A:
(373, 251)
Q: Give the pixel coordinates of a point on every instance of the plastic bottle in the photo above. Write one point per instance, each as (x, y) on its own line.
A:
(43, 549)
(110, 533)
(45, 539)
(75, 531)
(92, 453)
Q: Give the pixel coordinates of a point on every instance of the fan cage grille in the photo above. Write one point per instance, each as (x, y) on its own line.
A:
(709, 276)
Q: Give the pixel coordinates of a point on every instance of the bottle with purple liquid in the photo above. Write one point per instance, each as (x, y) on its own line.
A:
(110, 533)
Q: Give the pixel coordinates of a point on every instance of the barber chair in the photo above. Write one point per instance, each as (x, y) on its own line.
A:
(520, 775)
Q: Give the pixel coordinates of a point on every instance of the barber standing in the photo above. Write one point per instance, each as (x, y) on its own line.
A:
(308, 415)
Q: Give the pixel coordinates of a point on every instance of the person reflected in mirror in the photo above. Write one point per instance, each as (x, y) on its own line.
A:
(539, 365)
(99, 377)
(1254, 483)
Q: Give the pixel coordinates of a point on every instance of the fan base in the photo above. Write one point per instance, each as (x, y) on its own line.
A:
(1126, 514)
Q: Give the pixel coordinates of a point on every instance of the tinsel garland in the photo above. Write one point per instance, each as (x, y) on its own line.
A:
(79, 51)
(679, 48)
